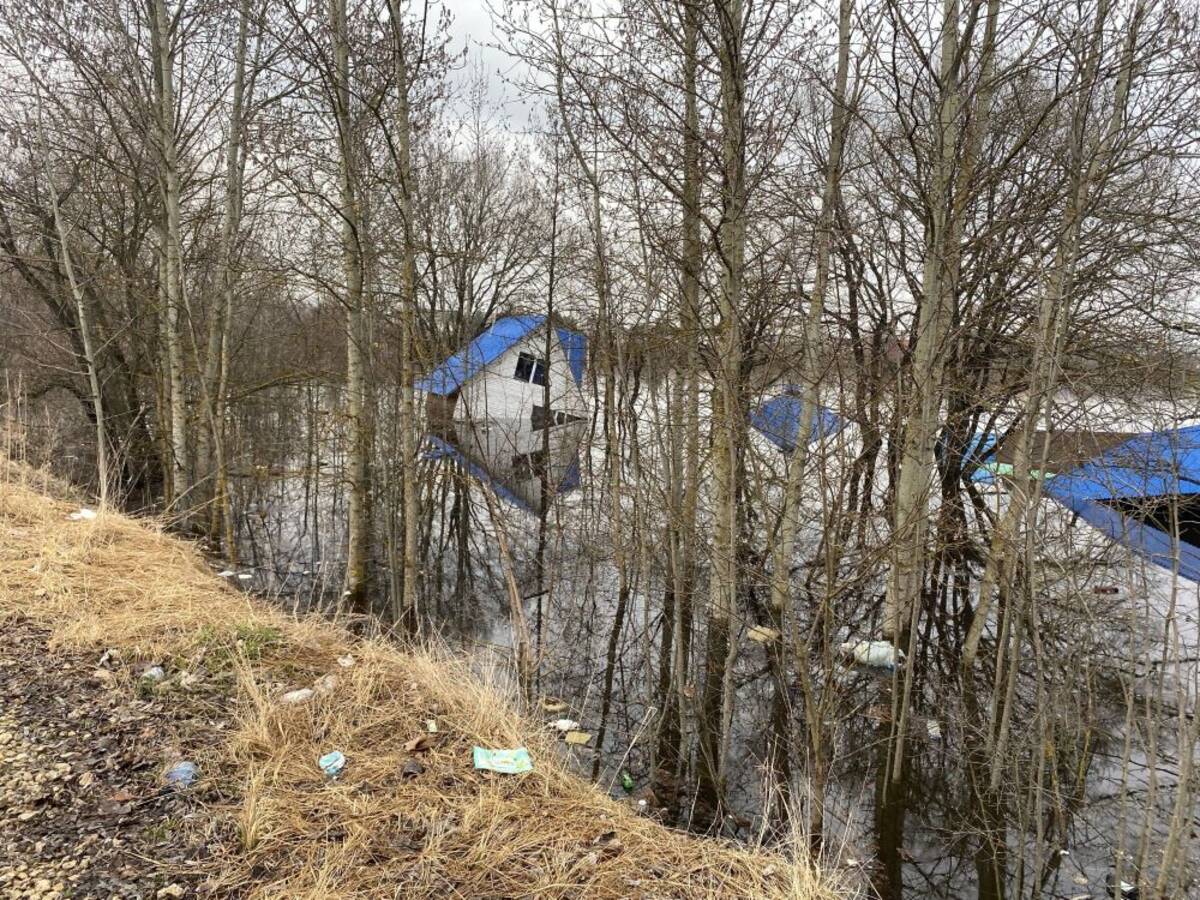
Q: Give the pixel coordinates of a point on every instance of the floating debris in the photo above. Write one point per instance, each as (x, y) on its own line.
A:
(332, 763)
(874, 654)
(762, 634)
(507, 762)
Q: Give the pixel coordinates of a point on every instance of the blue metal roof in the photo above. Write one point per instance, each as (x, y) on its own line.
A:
(779, 421)
(1157, 464)
(440, 449)
(494, 343)
(443, 450)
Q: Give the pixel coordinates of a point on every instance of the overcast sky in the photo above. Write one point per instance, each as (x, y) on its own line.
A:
(471, 28)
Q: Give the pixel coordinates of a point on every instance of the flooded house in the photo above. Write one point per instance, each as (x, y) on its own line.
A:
(509, 408)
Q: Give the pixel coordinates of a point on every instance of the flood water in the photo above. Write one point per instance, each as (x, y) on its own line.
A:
(1106, 721)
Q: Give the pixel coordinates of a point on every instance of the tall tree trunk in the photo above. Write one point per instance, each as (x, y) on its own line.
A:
(358, 538)
(85, 336)
(810, 364)
(221, 323)
(728, 409)
(164, 58)
(408, 320)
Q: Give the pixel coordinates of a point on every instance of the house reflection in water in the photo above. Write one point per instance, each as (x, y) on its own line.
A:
(487, 410)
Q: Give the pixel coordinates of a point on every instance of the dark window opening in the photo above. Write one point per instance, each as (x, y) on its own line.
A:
(530, 369)
(527, 466)
(1160, 512)
(540, 419)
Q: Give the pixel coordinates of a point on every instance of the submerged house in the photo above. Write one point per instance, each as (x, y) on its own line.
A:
(1140, 490)
(1144, 492)
(779, 420)
(486, 408)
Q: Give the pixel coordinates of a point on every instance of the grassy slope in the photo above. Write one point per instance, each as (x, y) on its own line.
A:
(450, 831)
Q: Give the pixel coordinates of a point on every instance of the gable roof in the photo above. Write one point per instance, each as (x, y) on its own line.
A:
(440, 449)
(493, 343)
(779, 420)
(1154, 465)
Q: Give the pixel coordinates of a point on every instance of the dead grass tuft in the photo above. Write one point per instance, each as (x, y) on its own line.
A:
(449, 830)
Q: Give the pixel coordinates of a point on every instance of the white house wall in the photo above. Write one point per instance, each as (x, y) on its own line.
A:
(493, 418)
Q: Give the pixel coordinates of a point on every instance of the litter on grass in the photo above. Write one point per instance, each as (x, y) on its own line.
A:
(332, 763)
(244, 576)
(298, 696)
(550, 705)
(578, 738)
(346, 661)
(83, 515)
(564, 725)
(154, 673)
(507, 762)
(226, 573)
(325, 684)
(181, 775)
(431, 726)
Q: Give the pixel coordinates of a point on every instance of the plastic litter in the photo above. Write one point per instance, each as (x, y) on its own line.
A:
(154, 673)
(346, 661)
(182, 775)
(332, 763)
(325, 684)
(1122, 889)
(935, 729)
(298, 696)
(82, 515)
(226, 573)
(244, 576)
(564, 725)
(411, 769)
(431, 726)
(507, 762)
(578, 738)
(874, 654)
(627, 781)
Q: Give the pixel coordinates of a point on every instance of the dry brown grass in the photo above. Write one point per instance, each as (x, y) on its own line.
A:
(451, 831)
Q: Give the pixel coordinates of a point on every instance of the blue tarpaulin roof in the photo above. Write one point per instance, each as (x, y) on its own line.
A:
(1158, 464)
(779, 421)
(494, 343)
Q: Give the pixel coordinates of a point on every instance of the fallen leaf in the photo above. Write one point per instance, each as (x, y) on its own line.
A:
(419, 744)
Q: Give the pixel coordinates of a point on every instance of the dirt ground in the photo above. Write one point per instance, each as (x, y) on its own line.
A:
(83, 750)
